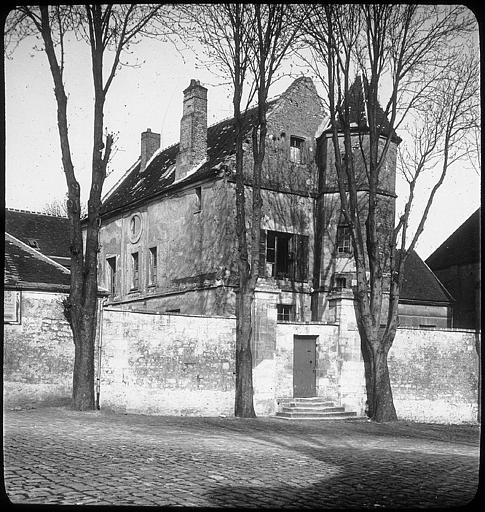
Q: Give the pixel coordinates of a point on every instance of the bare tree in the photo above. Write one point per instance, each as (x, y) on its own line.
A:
(58, 207)
(249, 42)
(405, 53)
(108, 31)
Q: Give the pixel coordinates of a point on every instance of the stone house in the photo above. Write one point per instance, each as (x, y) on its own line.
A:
(168, 228)
(168, 241)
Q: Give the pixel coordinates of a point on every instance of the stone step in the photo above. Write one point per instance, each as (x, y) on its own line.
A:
(307, 401)
(314, 408)
(328, 412)
(317, 416)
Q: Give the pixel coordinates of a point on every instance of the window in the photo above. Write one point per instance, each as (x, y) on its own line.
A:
(343, 240)
(134, 271)
(296, 149)
(152, 266)
(284, 312)
(135, 228)
(198, 199)
(111, 268)
(340, 283)
(284, 255)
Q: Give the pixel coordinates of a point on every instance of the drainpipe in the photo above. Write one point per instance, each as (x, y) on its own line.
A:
(100, 345)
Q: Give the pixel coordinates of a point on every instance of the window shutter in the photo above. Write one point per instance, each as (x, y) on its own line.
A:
(301, 273)
(262, 253)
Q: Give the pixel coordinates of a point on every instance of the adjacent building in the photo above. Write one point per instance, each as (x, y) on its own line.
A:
(457, 264)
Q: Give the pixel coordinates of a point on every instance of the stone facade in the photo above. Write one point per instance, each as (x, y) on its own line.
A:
(38, 352)
(192, 229)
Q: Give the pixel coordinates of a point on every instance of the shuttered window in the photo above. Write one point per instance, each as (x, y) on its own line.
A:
(284, 255)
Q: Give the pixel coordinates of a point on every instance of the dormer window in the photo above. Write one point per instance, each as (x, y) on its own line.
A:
(33, 243)
(296, 149)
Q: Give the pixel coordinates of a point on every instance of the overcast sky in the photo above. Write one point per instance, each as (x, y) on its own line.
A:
(148, 96)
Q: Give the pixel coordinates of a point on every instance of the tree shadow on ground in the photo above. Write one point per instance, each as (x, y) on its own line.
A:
(349, 478)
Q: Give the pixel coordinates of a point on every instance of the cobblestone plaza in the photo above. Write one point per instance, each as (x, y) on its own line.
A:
(58, 456)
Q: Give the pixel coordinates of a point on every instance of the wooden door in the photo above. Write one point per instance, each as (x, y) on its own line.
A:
(304, 366)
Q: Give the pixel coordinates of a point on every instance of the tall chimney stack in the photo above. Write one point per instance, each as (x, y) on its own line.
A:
(150, 142)
(193, 129)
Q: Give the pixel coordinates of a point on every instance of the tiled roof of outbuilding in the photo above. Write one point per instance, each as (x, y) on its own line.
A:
(460, 248)
(26, 267)
(160, 172)
(420, 284)
(48, 234)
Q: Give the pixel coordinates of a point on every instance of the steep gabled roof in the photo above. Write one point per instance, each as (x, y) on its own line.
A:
(48, 234)
(159, 174)
(358, 112)
(420, 284)
(460, 248)
(28, 268)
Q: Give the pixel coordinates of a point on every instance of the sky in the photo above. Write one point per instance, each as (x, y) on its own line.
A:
(148, 95)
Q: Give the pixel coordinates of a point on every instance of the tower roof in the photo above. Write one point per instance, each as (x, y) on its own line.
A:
(358, 108)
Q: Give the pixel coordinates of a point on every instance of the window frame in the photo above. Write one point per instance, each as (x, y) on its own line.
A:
(135, 270)
(296, 149)
(111, 274)
(286, 254)
(338, 283)
(153, 266)
(285, 312)
(198, 199)
(343, 241)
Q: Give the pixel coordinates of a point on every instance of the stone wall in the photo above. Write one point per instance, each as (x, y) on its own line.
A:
(180, 364)
(184, 365)
(38, 353)
(434, 375)
(167, 364)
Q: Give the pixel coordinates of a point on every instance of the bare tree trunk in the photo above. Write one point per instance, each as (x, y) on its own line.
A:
(243, 403)
(244, 407)
(382, 401)
(83, 375)
(380, 404)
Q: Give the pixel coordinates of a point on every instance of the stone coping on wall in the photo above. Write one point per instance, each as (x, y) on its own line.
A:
(282, 322)
(443, 329)
(164, 313)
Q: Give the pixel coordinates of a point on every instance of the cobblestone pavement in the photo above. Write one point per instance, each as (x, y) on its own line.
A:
(58, 456)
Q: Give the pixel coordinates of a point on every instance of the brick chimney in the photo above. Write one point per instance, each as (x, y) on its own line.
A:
(193, 129)
(150, 142)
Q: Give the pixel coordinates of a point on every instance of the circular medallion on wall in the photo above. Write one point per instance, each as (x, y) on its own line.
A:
(135, 228)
